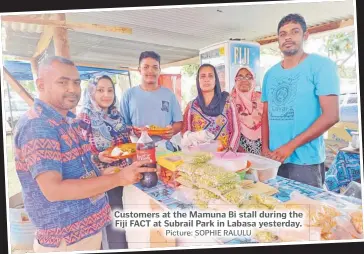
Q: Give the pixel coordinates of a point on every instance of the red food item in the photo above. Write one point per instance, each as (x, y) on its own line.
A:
(168, 177)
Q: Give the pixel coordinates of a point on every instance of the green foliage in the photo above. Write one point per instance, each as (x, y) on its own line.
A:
(190, 69)
(339, 43)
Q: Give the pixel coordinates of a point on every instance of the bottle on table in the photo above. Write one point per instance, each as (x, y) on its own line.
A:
(145, 150)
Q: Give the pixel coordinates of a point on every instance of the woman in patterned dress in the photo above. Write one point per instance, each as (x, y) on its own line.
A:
(102, 124)
(212, 110)
(250, 109)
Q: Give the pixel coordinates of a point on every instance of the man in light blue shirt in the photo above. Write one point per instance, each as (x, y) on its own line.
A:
(300, 96)
(149, 103)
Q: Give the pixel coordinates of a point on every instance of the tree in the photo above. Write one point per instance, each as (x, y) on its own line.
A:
(341, 47)
(190, 69)
(339, 43)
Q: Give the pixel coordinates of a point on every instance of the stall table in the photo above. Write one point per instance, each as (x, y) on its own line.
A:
(159, 197)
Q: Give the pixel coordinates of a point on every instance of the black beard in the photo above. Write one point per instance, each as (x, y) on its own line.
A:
(290, 52)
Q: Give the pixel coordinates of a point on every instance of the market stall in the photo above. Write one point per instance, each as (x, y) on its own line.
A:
(276, 192)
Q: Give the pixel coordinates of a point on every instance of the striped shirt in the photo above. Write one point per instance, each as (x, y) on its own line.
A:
(46, 141)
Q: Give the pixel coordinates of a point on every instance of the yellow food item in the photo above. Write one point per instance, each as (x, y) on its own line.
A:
(225, 188)
(187, 168)
(266, 201)
(154, 127)
(266, 237)
(252, 207)
(200, 204)
(322, 216)
(128, 150)
(237, 197)
(327, 236)
(357, 221)
(205, 195)
(197, 157)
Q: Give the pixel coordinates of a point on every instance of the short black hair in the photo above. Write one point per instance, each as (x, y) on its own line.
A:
(149, 54)
(293, 18)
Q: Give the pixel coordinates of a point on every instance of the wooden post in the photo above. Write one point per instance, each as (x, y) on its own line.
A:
(18, 87)
(34, 65)
(60, 39)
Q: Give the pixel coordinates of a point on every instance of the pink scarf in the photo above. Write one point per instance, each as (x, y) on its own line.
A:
(249, 108)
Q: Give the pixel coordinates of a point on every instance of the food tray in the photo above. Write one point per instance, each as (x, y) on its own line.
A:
(122, 147)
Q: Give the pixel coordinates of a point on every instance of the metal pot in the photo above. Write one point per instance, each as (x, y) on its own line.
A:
(355, 143)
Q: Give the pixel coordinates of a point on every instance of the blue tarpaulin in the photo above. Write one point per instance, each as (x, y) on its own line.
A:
(23, 71)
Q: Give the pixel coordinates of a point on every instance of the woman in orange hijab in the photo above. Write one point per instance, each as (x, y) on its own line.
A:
(250, 109)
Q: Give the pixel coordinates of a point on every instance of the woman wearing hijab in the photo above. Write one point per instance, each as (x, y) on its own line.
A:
(212, 110)
(102, 124)
(250, 109)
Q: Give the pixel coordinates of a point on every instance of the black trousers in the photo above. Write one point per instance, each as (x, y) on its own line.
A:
(116, 238)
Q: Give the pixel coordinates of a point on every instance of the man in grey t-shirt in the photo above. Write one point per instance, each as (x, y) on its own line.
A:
(149, 103)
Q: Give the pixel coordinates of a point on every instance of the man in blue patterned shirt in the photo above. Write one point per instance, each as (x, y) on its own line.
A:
(64, 193)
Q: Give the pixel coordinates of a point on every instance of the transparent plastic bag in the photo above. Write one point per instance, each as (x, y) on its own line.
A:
(266, 201)
(237, 197)
(266, 236)
(200, 204)
(187, 168)
(317, 214)
(356, 219)
(184, 194)
(206, 168)
(225, 188)
(345, 229)
(206, 195)
(185, 181)
(214, 180)
(196, 157)
(221, 205)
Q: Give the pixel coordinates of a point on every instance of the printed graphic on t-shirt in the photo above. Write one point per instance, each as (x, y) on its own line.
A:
(282, 96)
(165, 106)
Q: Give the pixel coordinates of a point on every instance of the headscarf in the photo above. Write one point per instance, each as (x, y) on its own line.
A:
(106, 127)
(249, 107)
(217, 103)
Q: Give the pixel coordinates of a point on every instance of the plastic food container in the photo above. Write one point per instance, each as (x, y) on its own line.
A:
(262, 168)
(212, 147)
(353, 190)
(231, 162)
(168, 168)
(355, 142)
